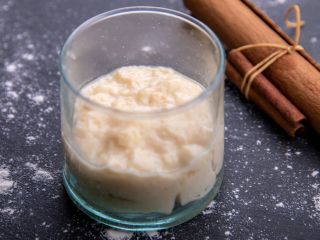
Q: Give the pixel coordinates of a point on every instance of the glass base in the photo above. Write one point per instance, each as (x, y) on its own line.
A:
(143, 221)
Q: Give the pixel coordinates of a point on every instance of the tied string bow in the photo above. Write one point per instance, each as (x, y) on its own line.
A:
(282, 50)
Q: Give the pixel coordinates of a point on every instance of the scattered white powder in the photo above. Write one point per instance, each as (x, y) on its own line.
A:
(5, 7)
(8, 84)
(37, 98)
(314, 173)
(19, 81)
(39, 173)
(276, 168)
(5, 183)
(316, 201)
(48, 109)
(28, 56)
(153, 235)
(239, 149)
(4, 173)
(280, 204)
(10, 116)
(227, 233)
(42, 175)
(209, 209)
(7, 210)
(11, 67)
(31, 165)
(289, 166)
(314, 40)
(31, 138)
(117, 235)
(146, 49)
(12, 94)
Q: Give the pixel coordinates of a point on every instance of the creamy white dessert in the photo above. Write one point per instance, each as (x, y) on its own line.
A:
(144, 163)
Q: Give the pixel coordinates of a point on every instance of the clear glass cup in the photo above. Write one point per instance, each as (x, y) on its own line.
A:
(146, 36)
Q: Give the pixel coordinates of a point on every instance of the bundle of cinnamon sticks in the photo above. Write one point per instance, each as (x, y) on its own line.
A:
(289, 90)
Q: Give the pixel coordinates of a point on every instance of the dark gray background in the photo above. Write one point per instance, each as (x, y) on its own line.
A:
(271, 183)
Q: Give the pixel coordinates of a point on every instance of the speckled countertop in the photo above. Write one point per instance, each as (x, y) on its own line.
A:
(271, 188)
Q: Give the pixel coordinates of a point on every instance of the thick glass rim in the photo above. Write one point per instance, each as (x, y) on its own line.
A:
(156, 10)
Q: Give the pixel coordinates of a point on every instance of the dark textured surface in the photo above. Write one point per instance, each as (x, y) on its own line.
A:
(271, 185)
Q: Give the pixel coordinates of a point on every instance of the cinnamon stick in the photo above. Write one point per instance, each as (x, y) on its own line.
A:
(239, 23)
(266, 95)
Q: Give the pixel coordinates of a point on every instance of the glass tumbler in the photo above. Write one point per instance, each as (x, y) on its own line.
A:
(127, 198)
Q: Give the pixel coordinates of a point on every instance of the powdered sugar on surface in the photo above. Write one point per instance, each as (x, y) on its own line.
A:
(39, 174)
(316, 201)
(154, 235)
(29, 116)
(269, 178)
(7, 211)
(209, 209)
(314, 173)
(314, 40)
(111, 234)
(6, 184)
(36, 98)
(280, 204)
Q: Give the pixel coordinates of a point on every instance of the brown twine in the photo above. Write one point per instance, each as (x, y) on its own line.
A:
(283, 50)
